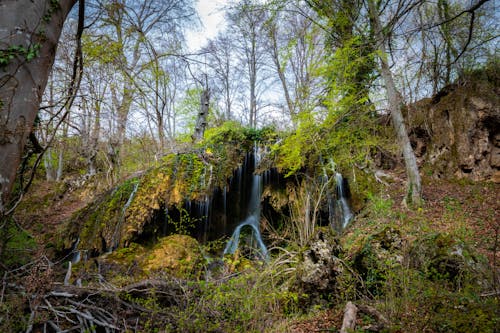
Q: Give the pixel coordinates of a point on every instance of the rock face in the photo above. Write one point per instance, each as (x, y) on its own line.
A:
(456, 134)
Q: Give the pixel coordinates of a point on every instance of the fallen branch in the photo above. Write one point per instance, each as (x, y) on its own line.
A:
(382, 322)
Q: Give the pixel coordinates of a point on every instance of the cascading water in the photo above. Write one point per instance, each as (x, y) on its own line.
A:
(253, 215)
(115, 241)
(344, 211)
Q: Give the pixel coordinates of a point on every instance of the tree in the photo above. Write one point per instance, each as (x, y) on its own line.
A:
(125, 37)
(221, 58)
(414, 183)
(28, 41)
(248, 19)
(296, 49)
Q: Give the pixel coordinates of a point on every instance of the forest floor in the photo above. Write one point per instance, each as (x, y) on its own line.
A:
(468, 209)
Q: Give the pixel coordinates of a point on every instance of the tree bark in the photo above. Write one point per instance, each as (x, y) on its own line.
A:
(414, 184)
(33, 24)
(201, 122)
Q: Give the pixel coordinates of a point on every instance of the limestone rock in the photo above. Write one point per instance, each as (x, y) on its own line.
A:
(320, 264)
(457, 133)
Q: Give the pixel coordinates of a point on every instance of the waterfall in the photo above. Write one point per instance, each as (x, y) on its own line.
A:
(115, 240)
(252, 219)
(344, 211)
(77, 255)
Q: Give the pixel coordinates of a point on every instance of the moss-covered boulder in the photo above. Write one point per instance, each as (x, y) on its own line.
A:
(98, 226)
(443, 257)
(376, 256)
(121, 215)
(177, 255)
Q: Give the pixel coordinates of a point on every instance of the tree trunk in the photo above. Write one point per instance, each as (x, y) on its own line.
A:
(201, 122)
(36, 26)
(281, 72)
(252, 68)
(414, 190)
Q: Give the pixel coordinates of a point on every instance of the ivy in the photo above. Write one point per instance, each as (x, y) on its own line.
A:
(32, 51)
(13, 51)
(54, 6)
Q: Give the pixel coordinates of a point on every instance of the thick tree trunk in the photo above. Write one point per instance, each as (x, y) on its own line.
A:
(34, 25)
(414, 190)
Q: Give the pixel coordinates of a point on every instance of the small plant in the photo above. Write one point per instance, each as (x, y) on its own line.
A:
(13, 51)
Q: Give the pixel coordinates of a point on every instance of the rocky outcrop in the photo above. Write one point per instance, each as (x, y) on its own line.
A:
(320, 264)
(456, 134)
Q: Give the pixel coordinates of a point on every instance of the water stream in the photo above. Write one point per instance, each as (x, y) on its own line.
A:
(252, 219)
(345, 214)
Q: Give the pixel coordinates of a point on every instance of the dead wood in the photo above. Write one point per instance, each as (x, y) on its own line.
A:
(349, 322)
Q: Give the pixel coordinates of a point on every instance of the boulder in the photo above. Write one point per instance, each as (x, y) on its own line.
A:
(177, 255)
(320, 264)
(377, 255)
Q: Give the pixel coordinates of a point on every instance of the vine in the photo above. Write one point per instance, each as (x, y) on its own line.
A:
(13, 51)
(32, 51)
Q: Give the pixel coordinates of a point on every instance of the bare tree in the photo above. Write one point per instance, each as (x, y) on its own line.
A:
(296, 49)
(131, 27)
(414, 186)
(248, 19)
(221, 59)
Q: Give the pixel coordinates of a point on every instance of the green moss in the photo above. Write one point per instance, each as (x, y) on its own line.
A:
(100, 221)
(16, 245)
(177, 255)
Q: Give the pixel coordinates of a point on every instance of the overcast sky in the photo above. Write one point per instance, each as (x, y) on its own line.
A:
(211, 13)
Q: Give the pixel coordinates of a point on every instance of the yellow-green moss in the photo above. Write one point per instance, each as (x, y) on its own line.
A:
(177, 255)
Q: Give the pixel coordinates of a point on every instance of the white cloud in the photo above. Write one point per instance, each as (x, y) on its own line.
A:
(211, 13)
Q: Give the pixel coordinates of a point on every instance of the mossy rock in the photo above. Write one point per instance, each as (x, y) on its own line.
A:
(177, 255)
(442, 257)
(378, 255)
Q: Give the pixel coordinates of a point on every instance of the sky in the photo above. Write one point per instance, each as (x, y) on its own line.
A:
(211, 13)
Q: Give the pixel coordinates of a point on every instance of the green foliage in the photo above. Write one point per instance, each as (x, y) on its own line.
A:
(188, 109)
(232, 132)
(14, 51)
(101, 50)
(379, 206)
(245, 303)
(345, 128)
(185, 224)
